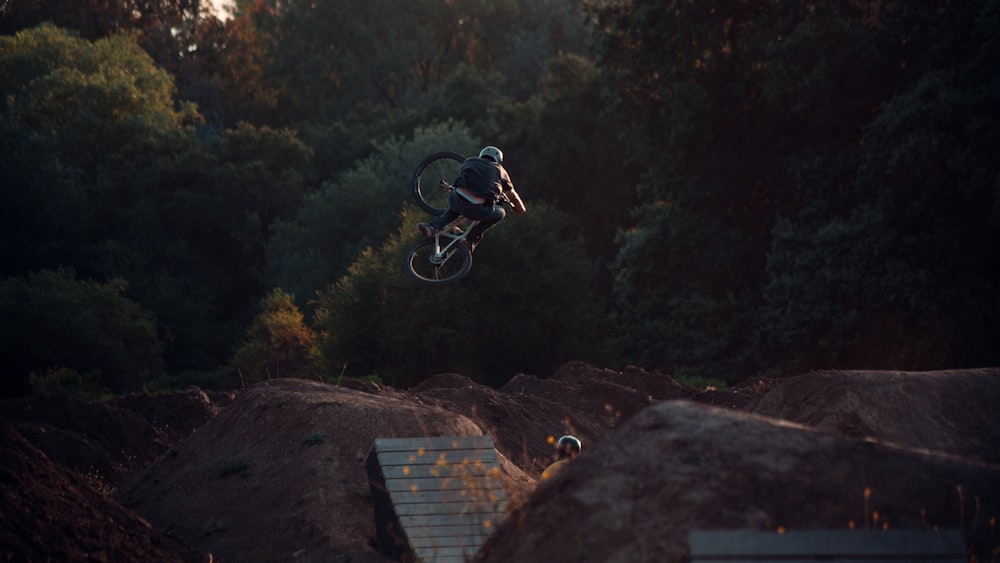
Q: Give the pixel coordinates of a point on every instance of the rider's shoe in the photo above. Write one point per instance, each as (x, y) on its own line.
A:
(427, 229)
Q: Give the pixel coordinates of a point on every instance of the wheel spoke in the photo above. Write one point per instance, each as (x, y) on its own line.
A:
(430, 267)
(427, 179)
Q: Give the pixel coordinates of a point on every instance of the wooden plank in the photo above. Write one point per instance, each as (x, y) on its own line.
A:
(434, 443)
(826, 559)
(431, 553)
(469, 543)
(829, 545)
(469, 458)
(467, 496)
(438, 471)
(458, 482)
(432, 531)
(451, 508)
(475, 520)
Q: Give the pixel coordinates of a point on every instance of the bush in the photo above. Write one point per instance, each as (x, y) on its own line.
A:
(58, 327)
(278, 343)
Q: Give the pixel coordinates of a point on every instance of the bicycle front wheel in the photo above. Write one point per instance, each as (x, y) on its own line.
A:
(427, 190)
(427, 266)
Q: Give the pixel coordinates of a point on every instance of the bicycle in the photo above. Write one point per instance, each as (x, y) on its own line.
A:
(446, 257)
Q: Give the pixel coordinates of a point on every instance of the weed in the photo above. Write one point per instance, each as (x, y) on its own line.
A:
(371, 378)
(702, 383)
(873, 521)
(232, 466)
(315, 439)
(213, 526)
(94, 478)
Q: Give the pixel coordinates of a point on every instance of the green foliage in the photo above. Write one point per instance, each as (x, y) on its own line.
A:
(43, 202)
(527, 306)
(314, 439)
(814, 170)
(324, 53)
(93, 19)
(776, 186)
(191, 219)
(233, 465)
(702, 383)
(277, 344)
(51, 78)
(65, 381)
(60, 328)
(563, 128)
(114, 185)
(895, 267)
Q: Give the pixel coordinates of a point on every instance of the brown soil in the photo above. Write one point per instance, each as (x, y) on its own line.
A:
(276, 472)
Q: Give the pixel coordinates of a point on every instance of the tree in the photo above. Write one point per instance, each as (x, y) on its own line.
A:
(53, 321)
(189, 216)
(43, 202)
(108, 178)
(94, 19)
(329, 57)
(903, 255)
(89, 95)
(767, 127)
(177, 34)
(690, 86)
(278, 343)
(565, 148)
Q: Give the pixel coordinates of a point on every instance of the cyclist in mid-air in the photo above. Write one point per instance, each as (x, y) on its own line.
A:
(480, 185)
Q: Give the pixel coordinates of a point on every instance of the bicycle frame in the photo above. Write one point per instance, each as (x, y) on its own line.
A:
(446, 239)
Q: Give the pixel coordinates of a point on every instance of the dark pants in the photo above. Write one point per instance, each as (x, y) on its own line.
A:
(487, 214)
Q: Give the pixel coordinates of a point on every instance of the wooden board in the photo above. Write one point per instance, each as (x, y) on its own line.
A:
(443, 495)
(885, 546)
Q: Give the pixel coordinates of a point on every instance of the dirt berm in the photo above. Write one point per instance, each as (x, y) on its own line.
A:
(276, 473)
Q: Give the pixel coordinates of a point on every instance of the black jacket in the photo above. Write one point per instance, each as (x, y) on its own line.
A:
(484, 178)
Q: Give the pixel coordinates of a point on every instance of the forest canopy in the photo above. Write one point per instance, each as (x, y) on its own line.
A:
(715, 191)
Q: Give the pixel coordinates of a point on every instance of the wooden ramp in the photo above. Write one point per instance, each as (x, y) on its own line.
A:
(828, 546)
(435, 499)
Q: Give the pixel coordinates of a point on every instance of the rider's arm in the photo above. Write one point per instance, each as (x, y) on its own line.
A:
(510, 193)
(515, 201)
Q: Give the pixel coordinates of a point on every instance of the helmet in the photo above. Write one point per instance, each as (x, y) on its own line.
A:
(568, 446)
(493, 153)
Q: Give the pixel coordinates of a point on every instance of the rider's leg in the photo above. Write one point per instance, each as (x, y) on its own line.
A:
(487, 215)
(448, 216)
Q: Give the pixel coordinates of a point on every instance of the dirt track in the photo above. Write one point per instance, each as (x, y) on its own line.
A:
(276, 472)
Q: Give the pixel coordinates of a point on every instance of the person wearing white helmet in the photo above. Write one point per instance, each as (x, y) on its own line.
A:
(567, 448)
(480, 185)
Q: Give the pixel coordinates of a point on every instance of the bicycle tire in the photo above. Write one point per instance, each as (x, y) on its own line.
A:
(427, 177)
(420, 267)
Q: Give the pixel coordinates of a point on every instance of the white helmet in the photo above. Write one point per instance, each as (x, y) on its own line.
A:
(492, 153)
(568, 446)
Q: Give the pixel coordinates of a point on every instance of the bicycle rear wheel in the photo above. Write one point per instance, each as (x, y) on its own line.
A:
(438, 167)
(425, 266)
